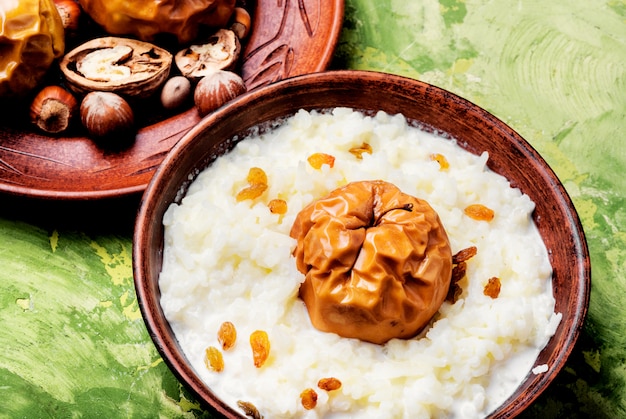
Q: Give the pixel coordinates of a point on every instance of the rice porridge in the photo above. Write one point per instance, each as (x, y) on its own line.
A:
(232, 261)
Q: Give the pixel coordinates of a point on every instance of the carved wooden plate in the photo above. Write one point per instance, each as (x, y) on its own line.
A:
(288, 38)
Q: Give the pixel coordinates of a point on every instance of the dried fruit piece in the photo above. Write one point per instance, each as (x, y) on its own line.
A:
(455, 290)
(464, 255)
(147, 19)
(479, 212)
(31, 38)
(317, 160)
(329, 384)
(213, 359)
(358, 151)
(441, 159)
(251, 192)
(227, 335)
(492, 288)
(278, 206)
(378, 282)
(459, 270)
(308, 398)
(260, 344)
(256, 175)
(249, 409)
(257, 179)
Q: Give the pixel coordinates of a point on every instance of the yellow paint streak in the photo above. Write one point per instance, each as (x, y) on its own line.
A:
(461, 66)
(131, 308)
(54, 240)
(152, 365)
(105, 304)
(586, 210)
(118, 266)
(23, 303)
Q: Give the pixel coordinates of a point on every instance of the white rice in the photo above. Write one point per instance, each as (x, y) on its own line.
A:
(229, 261)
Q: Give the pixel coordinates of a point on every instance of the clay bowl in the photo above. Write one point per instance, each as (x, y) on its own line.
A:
(474, 128)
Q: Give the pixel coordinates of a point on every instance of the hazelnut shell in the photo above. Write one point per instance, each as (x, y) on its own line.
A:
(107, 115)
(216, 89)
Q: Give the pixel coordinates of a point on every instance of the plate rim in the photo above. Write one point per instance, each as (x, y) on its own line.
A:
(187, 118)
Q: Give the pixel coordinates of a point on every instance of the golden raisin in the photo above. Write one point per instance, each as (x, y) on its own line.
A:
(317, 160)
(256, 176)
(441, 159)
(492, 288)
(257, 181)
(260, 344)
(249, 409)
(227, 335)
(309, 398)
(358, 151)
(251, 192)
(213, 359)
(329, 384)
(479, 212)
(278, 206)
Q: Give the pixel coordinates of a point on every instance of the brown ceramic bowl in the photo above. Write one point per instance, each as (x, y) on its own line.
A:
(475, 129)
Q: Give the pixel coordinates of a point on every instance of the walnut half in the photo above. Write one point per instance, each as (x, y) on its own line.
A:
(220, 52)
(123, 66)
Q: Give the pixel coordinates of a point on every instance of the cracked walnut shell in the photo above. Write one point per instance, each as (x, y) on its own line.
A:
(220, 52)
(119, 65)
(377, 262)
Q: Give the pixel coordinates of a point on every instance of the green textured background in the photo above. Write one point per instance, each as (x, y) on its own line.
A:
(72, 340)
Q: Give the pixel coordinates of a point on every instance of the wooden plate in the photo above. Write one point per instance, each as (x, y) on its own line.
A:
(288, 38)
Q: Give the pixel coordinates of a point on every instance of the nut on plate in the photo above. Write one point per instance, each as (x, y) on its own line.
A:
(220, 52)
(120, 65)
(52, 109)
(107, 115)
(175, 92)
(70, 13)
(216, 89)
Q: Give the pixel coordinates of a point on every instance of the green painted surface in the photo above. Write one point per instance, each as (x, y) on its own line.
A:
(555, 72)
(72, 339)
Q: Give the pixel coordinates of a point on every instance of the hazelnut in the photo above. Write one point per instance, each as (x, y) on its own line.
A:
(215, 89)
(175, 92)
(241, 22)
(106, 115)
(52, 109)
(70, 13)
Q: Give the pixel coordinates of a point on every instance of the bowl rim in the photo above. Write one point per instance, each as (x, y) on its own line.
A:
(152, 312)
